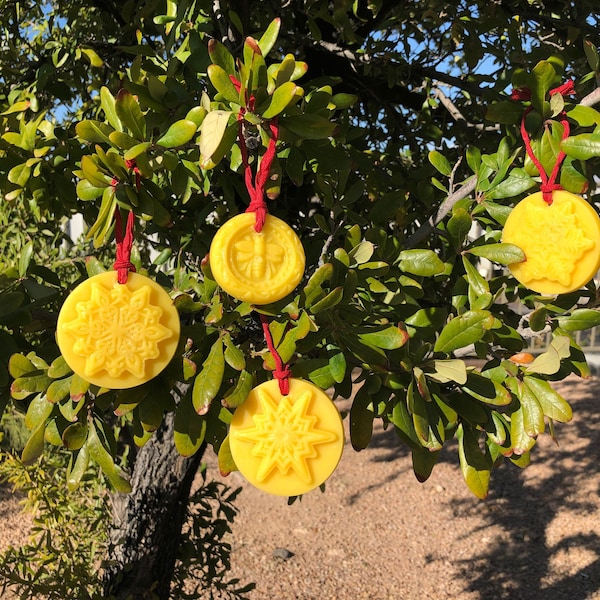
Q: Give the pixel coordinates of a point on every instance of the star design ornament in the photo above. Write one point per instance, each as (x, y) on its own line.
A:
(561, 242)
(118, 335)
(286, 445)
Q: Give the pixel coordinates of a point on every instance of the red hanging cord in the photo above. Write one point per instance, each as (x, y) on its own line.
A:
(123, 264)
(282, 371)
(256, 185)
(549, 183)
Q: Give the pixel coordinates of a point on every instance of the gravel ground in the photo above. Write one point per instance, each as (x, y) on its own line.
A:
(376, 533)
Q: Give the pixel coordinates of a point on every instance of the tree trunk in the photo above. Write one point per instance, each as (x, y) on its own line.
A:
(146, 529)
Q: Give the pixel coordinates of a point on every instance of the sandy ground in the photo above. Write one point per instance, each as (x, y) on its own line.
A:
(376, 533)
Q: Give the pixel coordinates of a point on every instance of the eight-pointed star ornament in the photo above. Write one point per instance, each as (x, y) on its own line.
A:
(286, 445)
(561, 242)
(118, 335)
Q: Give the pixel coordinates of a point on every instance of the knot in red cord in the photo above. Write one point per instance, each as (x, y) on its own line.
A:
(123, 264)
(547, 188)
(132, 166)
(283, 375)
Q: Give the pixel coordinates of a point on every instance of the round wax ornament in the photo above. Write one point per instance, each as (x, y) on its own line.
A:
(286, 445)
(118, 335)
(259, 268)
(561, 242)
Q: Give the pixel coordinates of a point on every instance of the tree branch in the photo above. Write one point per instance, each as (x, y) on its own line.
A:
(445, 207)
(591, 99)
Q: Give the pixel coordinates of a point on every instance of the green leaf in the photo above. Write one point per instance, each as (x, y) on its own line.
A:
(440, 162)
(234, 397)
(308, 126)
(329, 301)
(547, 363)
(516, 183)
(586, 116)
(222, 83)
(208, 381)
(87, 191)
(190, 428)
(77, 471)
(107, 102)
(35, 445)
(281, 98)
(505, 112)
(579, 319)
(505, 254)
(178, 134)
(533, 416)
(361, 419)
(25, 258)
(553, 405)
(269, 37)
(212, 130)
(75, 436)
(59, 368)
(221, 56)
(94, 131)
(425, 263)
(99, 448)
(387, 338)
(234, 357)
(521, 442)
(485, 390)
(58, 390)
(19, 365)
(130, 114)
(449, 370)
(38, 411)
(582, 146)
(459, 225)
(475, 465)
(463, 330)
(225, 458)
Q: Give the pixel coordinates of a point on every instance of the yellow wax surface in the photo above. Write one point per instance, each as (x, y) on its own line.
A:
(259, 268)
(118, 335)
(286, 445)
(561, 242)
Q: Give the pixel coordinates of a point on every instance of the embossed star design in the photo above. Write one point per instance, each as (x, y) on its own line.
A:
(553, 242)
(284, 435)
(117, 330)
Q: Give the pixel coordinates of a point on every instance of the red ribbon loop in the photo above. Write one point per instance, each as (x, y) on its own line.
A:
(282, 371)
(123, 264)
(549, 183)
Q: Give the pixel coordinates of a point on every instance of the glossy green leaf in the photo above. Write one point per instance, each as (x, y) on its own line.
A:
(520, 440)
(130, 114)
(190, 428)
(95, 132)
(38, 411)
(487, 390)
(475, 465)
(59, 368)
(502, 253)
(178, 134)
(225, 459)
(75, 436)
(234, 357)
(586, 116)
(386, 338)
(329, 301)
(107, 102)
(269, 37)
(99, 449)
(222, 83)
(516, 183)
(553, 405)
(208, 381)
(533, 415)
(281, 98)
(579, 319)
(583, 146)
(440, 162)
(234, 397)
(29, 384)
(79, 468)
(221, 56)
(425, 263)
(19, 365)
(463, 330)
(35, 445)
(546, 363)
(25, 258)
(58, 390)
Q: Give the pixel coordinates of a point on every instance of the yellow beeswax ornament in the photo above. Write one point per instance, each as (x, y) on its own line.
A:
(118, 335)
(257, 267)
(286, 445)
(560, 240)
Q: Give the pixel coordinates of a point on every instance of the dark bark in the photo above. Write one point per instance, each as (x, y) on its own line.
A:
(146, 529)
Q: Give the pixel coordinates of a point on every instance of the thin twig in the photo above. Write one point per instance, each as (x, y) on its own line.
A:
(445, 207)
(591, 99)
